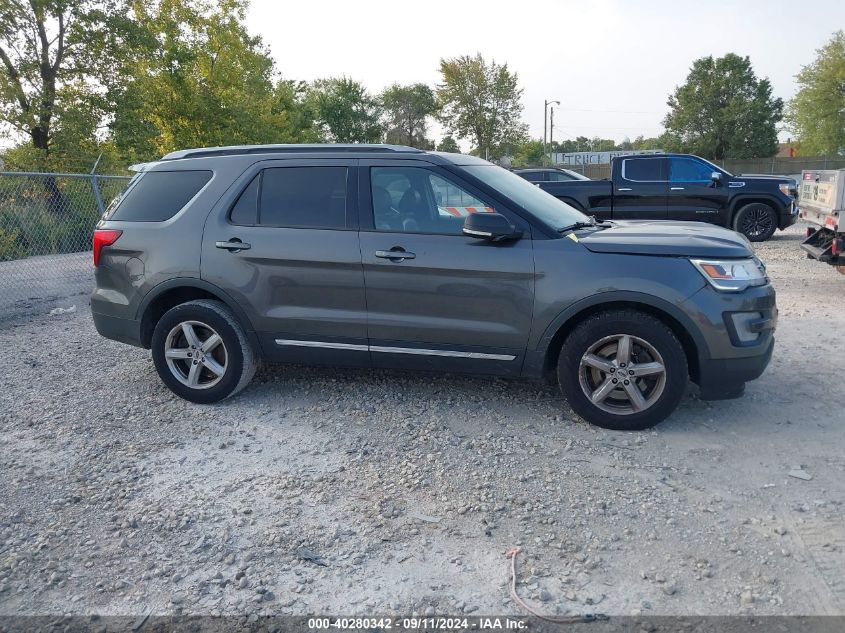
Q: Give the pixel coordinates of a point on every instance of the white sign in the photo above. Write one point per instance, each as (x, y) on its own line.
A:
(596, 158)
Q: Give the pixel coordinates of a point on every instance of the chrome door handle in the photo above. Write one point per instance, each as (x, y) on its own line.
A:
(676, 188)
(233, 245)
(624, 189)
(395, 255)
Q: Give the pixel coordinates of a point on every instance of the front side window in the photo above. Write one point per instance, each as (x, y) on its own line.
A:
(417, 200)
(300, 197)
(559, 176)
(643, 169)
(689, 170)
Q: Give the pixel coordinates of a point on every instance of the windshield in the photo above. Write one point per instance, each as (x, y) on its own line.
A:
(540, 204)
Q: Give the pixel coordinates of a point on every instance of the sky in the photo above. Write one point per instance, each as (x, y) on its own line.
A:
(610, 63)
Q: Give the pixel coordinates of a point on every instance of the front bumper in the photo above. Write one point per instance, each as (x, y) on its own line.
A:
(735, 350)
(789, 216)
(725, 378)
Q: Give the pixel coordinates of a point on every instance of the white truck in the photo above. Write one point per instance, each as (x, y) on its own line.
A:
(821, 198)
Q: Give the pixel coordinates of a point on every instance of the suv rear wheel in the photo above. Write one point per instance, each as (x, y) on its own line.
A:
(756, 221)
(201, 352)
(622, 370)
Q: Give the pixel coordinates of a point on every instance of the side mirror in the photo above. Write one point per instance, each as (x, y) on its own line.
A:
(493, 227)
(716, 178)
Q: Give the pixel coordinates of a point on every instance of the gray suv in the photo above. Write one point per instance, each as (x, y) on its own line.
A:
(387, 256)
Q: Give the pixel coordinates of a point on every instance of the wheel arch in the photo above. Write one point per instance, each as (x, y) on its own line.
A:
(555, 335)
(172, 292)
(750, 198)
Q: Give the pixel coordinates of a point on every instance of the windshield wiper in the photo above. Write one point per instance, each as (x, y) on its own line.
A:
(592, 224)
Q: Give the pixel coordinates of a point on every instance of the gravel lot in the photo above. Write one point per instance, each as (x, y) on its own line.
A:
(344, 491)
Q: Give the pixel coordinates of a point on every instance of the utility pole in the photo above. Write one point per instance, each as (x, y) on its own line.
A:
(552, 135)
(546, 104)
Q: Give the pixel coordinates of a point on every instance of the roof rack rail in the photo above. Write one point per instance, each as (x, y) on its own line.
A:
(235, 150)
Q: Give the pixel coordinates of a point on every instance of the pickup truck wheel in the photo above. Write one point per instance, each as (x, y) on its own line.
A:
(756, 221)
(622, 370)
(201, 352)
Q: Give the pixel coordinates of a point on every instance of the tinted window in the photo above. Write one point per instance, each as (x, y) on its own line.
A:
(159, 195)
(689, 170)
(643, 169)
(558, 176)
(303, 197)
(245, 210)
(532, 176)
(416, 200)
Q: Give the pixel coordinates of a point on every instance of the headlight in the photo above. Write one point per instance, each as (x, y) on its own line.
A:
(787, 189)
(731, 275)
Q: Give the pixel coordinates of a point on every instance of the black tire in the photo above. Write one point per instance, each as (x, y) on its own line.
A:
(756, 221)
(651, 341)
(233, 352)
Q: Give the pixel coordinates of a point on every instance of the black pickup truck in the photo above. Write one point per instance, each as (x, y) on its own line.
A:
(684, 187)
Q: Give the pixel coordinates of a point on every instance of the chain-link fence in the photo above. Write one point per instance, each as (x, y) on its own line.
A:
(46, 224)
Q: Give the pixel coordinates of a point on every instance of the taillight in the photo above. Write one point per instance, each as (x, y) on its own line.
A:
(836, 247)
(810, 231)
(103, 237)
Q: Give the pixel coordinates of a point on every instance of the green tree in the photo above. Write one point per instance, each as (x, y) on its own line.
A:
(407, 109)
(346, 112)
(198, 78)
(480, 102)
(449, 144)
(817, 112)
(528, 153)
(724, 111)
(53, 56)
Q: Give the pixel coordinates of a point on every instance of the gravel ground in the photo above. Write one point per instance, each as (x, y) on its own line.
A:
(362, 492)
(36, 284)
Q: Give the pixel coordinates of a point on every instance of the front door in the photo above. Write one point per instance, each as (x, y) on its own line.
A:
(437, 299)
(284, 245)
(692, 193)
(639, 189)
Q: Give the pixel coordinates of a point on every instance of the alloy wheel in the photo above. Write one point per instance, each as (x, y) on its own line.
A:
(622, 374)
(756, 222)
(195, 355)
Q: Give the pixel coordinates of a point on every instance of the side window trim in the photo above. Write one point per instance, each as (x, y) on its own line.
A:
(625, 162)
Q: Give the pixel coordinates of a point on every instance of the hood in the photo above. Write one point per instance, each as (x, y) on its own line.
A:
(762, 182)
(679, 239)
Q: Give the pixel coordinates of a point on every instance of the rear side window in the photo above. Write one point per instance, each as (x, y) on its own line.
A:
(245, 210)
(303, 197)
(159, 195)
(643, 169)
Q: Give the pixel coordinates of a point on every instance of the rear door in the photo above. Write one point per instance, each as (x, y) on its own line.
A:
(437, 299)
(692, 194)
(284, 245)
(639, 189)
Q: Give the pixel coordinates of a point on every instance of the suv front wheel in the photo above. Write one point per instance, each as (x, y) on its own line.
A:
(201, 352)
(622, 370)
